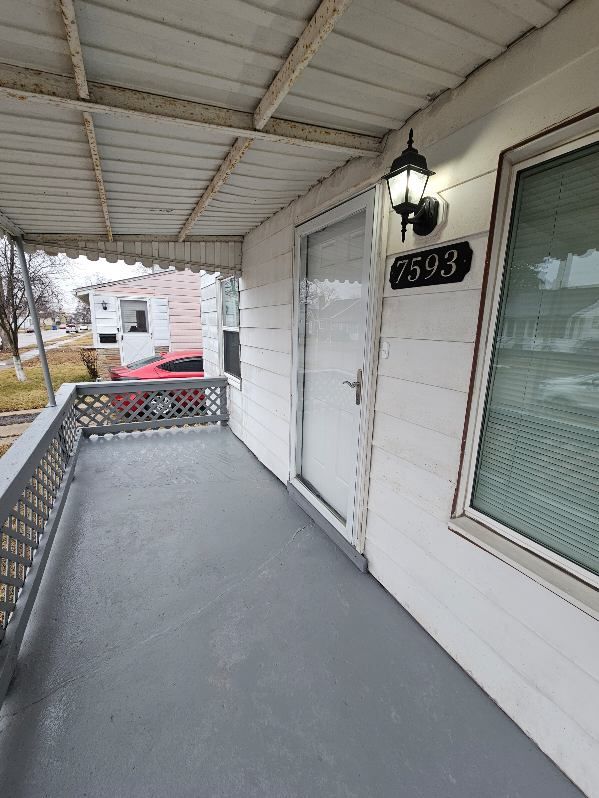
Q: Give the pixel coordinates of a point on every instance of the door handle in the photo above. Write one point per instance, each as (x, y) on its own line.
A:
(357, 386)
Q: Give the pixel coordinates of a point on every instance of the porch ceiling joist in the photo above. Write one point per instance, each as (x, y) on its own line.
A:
(8, 226)
(235, 155)
(67, 10)
(304, 50)
(306, 47)
(36, 86)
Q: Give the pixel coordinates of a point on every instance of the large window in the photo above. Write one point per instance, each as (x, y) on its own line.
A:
(230, 326)
(537, 469)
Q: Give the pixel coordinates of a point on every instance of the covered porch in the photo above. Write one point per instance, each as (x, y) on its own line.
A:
(196, 635)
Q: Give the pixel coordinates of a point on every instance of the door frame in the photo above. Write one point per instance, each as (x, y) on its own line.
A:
(371, 199)
(137, 298)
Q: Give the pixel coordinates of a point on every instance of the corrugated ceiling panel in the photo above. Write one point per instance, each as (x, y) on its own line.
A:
(223, 52)
(46, 176)
(385, 60)
(32, 34)
(269, 177)
(154, 174)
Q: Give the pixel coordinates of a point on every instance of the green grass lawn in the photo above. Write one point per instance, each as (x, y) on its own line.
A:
(65, 366)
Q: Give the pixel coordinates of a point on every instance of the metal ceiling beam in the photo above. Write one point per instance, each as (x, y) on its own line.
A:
(8, 226)
(235, 155)
(36, 86)
(90, 132)
(306, 47)
(69, 18)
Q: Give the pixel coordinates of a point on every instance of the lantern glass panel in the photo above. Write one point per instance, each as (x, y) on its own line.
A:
(416, 184)
(397, 188)
(407, 188)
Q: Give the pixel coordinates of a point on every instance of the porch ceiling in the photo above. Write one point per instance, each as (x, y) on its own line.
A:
(217, 130)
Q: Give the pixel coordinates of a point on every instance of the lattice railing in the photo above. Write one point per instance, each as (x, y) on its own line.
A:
(36, 472)
(26, 501)
(150, 404)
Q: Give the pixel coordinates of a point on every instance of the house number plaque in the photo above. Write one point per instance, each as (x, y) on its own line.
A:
(448, 264)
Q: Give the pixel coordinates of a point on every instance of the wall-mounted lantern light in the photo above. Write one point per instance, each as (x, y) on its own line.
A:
(104, 305)
(406, 183)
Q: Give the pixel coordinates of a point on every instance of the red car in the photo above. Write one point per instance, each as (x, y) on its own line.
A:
(188, 363)
(169, 366)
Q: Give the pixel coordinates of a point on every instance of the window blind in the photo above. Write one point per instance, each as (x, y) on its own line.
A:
(537, 468)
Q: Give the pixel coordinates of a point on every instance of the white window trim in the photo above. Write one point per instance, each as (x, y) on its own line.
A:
(232, 379)
(564, 577)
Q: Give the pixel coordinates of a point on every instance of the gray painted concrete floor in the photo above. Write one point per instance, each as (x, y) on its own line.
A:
(196, 635)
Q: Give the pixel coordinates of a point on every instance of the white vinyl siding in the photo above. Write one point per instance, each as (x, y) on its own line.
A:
(260, 409)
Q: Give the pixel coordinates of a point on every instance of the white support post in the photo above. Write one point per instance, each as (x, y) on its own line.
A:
(18, 241)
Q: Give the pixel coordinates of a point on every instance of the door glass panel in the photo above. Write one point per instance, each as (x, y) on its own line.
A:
(332, 316)
(135, 316)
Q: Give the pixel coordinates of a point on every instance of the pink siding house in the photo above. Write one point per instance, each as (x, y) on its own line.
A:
(138, 316)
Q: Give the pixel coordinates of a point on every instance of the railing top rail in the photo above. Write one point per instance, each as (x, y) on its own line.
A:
(118, 386)
(19, 462)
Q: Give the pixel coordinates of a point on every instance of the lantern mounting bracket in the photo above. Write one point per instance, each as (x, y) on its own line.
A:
(425, 219)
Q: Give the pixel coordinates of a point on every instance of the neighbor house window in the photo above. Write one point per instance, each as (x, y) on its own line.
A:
(230, 326)
(537, 468)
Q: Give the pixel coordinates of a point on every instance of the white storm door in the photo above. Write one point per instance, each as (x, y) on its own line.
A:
(334, 257)
(136, 340)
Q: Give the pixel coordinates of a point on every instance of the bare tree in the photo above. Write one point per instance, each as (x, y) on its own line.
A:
(14, 310)
(82, 313)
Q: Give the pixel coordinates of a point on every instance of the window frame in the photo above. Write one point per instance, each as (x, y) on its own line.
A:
(187, 359)
(560, 141)
(234, 379)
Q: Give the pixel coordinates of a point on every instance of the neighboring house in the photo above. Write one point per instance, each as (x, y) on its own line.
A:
(138, 316)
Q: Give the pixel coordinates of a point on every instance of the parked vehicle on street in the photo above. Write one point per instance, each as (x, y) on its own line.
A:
(171, 365)
(71, 328)
(82, 328)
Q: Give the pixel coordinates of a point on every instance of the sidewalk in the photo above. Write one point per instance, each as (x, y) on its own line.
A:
(33, 353)
(13, 424)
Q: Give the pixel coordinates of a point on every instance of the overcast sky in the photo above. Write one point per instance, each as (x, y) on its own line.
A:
(83, 272)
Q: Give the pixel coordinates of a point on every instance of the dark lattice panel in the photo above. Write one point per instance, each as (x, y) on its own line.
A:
(23, 527)
(149, 406)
